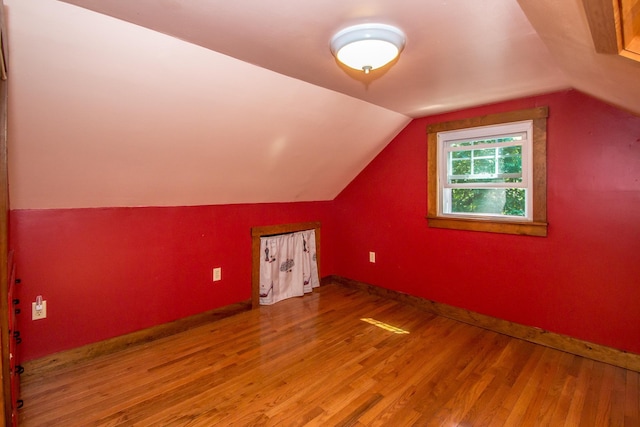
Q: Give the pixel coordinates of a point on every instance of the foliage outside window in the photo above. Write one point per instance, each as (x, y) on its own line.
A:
(489, 173)
(485, 172)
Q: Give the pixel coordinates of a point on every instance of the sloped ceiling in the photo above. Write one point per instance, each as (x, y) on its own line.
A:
(192, 102)
(611, 78)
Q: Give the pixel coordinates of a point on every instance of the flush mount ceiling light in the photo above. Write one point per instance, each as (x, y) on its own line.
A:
(367, 46)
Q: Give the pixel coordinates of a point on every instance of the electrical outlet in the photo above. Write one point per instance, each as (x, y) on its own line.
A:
(217, 274)
(372, 257)
(38, 314)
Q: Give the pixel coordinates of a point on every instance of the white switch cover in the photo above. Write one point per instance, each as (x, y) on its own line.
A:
(217, 274)
(38, 314)
(372, 257)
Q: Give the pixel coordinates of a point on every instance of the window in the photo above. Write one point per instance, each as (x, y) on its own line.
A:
(489, 173)
(485, 172)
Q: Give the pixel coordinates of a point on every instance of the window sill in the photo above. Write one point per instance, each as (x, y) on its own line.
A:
(538, 229)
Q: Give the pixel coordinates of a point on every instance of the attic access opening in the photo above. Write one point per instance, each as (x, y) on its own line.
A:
(615, 26)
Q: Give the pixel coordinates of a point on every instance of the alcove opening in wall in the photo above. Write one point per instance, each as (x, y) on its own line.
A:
(271, 230)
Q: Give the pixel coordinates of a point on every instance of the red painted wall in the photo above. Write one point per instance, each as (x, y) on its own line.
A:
(583, 280)
(108, 272)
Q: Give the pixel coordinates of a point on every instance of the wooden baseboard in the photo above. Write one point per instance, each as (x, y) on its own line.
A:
(536, 335)
(89, 351)
(564, 343)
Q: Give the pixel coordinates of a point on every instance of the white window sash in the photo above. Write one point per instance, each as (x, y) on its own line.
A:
(447, 139)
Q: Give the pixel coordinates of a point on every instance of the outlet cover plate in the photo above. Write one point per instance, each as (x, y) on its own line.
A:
(38, 314)
(217, 274)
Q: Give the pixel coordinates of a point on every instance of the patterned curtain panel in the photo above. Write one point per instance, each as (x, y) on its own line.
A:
(288, 266)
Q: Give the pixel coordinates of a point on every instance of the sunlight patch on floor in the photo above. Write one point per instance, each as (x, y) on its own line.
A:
(385, 326)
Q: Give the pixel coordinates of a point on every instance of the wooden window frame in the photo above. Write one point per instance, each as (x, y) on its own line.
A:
(538, 225)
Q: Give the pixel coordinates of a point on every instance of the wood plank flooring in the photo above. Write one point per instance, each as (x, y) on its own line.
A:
(313, 361)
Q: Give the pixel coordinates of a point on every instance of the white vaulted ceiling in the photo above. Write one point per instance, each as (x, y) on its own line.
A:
(193, 102)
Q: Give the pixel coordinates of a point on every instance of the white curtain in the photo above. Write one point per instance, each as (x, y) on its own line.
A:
(288, 266)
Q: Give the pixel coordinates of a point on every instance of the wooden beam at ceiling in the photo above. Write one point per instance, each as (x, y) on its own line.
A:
(615, 26)
(603, 17)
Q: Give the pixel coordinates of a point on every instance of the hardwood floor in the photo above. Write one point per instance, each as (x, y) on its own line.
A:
(313, 361)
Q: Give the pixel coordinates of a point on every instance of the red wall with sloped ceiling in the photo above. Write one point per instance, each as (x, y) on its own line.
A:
(110, 271)
(583, 280)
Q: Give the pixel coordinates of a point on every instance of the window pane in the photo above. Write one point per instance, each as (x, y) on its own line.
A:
(510, 160)
(514, 202)
(510, 165)
(461, 155)
(488, 180)
(460, 167)
(484, 166)
(489, 152)
(497, 139)
(511, 151)
(493, 201)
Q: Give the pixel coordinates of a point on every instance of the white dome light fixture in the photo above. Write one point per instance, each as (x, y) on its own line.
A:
(367, 46)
